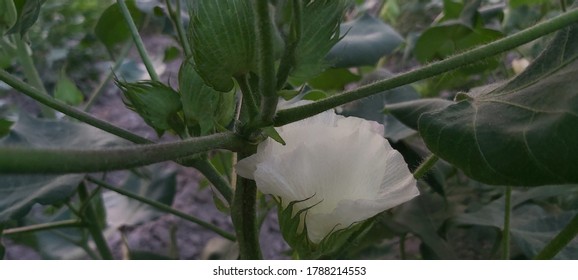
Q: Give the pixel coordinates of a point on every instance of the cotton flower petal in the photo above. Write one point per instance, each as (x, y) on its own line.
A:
(342, 167)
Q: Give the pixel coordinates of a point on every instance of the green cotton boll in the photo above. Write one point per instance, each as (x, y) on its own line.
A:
(8, 15)
(158, 105)
(203, 107)
(222, 35)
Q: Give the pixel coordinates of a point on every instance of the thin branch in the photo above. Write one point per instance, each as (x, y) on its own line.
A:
(41, 227)
(69, 110)
(302, 112)
(138, 40)
(162, 207)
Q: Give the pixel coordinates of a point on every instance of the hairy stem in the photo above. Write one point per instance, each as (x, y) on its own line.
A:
(425, 166)
(162, 207)
(266, 62)
(90, 218)
(302, 112)
(244, 215)
(69, 110)
(138, 40)
(49, 160)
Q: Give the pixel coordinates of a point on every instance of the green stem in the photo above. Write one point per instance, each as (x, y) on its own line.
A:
(288, 59)
(100, 88)
(218, 181)
(69, 110)
(90, 218)
(563, 5)
(30, 72)
(162, 207)
(302, 112)
(560, 241)
(244, 216)
(46, 226)
(248, 99)
(425, 166)
(175, 16)
(506, 231)
(50, 160)
(266, 62)
(138, 40)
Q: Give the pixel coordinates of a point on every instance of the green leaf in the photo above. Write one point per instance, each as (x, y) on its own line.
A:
(366, 41)
(320, 32)
(222, 36)
(158, 105)
(171, 53)
(28, 12)
(124, 211)
(523, 132)
(203, 106)
(18, 193)
(8, 17)
(111, 28)
(66, 91)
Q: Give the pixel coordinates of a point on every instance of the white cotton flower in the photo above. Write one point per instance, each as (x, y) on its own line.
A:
(343, 164)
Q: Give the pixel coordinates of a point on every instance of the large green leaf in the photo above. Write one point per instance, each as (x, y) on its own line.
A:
(222, 36)
(19, 192)
(320, 32)
(111, 28)
(523, 132)
(203, 107)
(366, 40)
(28, 12)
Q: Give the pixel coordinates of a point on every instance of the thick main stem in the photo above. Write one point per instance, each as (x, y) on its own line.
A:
(25, 160)
(302, 112)
(244, 215)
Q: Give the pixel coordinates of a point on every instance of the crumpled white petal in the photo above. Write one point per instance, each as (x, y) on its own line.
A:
(343, 164)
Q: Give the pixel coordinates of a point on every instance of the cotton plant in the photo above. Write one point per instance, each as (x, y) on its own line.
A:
(249, 85)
